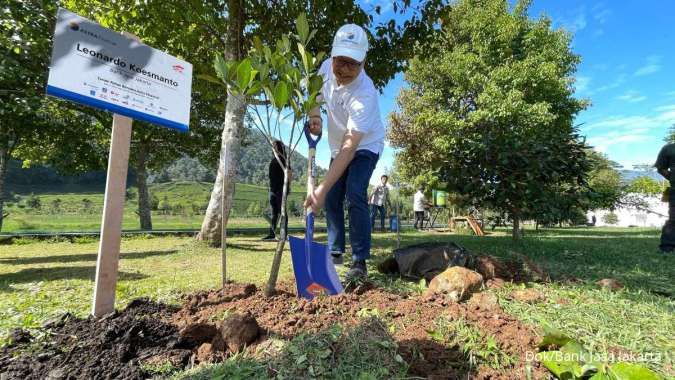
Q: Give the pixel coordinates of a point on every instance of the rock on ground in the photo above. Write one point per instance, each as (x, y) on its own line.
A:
(239, 330)
(609, 284)
(456, 283)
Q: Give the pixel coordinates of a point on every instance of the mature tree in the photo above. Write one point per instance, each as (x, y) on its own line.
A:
(33, 126)
(646, 186)
(604, 190)
(490, 107)
(180, 31)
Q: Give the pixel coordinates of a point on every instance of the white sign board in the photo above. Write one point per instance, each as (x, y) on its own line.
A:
(98, 67)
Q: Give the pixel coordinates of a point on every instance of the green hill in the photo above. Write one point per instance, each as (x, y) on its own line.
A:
(176, 205)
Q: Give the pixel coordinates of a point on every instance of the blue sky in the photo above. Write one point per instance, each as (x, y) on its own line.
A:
(627, 48)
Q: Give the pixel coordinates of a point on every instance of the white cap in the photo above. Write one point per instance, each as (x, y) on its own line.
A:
(350, 41)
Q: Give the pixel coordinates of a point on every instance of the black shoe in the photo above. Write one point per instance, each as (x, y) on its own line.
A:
(357, 272)
(338, 258)
(270, 237)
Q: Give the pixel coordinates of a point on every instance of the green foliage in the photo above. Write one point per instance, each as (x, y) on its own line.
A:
(646, 186)
(489, 110)
(567, 359)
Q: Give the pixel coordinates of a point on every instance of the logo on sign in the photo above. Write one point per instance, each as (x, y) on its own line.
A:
(178, 68)
(74, 26)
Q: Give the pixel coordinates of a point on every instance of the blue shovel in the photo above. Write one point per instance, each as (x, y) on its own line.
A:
(314, 270)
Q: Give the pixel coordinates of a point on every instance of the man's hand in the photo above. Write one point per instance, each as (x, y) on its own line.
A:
(315, 125)
(316, 200)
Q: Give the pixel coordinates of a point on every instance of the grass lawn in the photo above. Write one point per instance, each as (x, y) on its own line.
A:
(41, 278)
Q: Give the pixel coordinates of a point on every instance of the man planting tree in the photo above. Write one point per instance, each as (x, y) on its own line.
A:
(356, 139)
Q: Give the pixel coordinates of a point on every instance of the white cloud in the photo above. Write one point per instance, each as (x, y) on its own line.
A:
(602, 143)
(620, 79)
(581, 84)
(632, 97)
(579, 22)
(659, 119)
(653, 65)
(600, 13)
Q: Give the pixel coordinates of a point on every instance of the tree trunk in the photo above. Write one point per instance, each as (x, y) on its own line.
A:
(230, 140)
(4, 162)
(144, 207)
(276, 262)
(516, 227)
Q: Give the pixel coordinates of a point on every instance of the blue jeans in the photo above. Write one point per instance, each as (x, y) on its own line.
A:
(374, 209)
(352, 185)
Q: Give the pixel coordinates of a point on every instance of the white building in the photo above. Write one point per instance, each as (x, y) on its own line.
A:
(654, 215)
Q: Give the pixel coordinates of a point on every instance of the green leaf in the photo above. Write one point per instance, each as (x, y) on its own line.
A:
(257, 44)
(280, 95)
(209, 78)
(631, 371)
(302, 27)
(303, 55)
(553, 337)
(573, 347)
(315, 84)
(220, 66)
(311, 35)
(254, 89)
(244, 74)
(562, 369)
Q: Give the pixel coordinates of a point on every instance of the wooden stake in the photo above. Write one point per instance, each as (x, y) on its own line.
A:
(113, 210)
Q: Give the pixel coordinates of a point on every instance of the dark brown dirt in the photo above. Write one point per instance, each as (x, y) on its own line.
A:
(146, 332)
(111, 347)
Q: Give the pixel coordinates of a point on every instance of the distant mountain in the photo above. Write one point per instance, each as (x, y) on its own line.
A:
(252, 168)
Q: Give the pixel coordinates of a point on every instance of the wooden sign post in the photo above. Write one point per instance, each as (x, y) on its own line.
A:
(113, 212)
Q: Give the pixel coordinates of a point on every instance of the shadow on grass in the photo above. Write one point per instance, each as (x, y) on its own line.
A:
(364, 351)
(565, 255)
(55, 274)
(80, 257)
(253, 247)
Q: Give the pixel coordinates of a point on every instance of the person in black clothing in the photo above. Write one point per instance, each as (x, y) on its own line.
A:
(276, 176)
(665, 164)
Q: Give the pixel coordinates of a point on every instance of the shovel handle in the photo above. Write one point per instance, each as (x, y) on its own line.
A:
(311, 177)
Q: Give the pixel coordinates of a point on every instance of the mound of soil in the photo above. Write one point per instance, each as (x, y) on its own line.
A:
(106, 348)
(119, 345)
(284, 315)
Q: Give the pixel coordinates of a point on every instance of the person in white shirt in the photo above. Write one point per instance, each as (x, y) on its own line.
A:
(356, 139)
(420, 204)
(379, 201)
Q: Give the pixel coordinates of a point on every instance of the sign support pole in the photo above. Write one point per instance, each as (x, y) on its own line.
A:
(113, 210)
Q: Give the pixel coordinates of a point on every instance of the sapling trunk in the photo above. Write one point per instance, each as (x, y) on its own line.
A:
(283, 233)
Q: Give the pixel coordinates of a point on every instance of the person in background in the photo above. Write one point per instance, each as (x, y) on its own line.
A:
(276, 176)
(420, 204)
(665, 164)
(379, 202)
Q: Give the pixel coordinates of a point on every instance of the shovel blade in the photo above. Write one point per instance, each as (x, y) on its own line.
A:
(314, 271)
